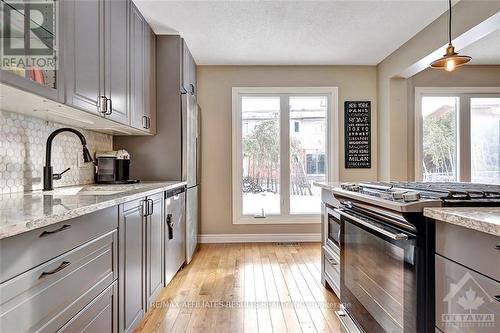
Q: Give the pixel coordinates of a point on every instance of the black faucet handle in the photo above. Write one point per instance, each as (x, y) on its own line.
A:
(58, 176)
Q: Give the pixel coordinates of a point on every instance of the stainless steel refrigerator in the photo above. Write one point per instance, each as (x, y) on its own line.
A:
(191, 168)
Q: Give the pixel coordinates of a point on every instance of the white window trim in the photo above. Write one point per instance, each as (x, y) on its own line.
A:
(463, 124)
(332, 142)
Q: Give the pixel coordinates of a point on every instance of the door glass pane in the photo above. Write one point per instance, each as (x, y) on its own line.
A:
(439, 138)
(307, 152)
(485, 140)
(261, 155)
(31, 40)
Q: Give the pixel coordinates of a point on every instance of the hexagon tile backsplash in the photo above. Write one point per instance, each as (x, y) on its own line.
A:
(22, 153)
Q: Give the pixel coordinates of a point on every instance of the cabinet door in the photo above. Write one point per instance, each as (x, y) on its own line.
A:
(84, 53)
(188, 71)
(137, 119)
(149, 78)
(131, 265)
(116, 43)
(154, 248)
(46, 78)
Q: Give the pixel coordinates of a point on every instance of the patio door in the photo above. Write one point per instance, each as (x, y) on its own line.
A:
(281, 147)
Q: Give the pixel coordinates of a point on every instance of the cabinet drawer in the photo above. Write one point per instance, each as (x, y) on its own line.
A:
(99, 316)
(332, 269)
(474, 249)
(464, 296)
(25, 251)
(46, 297)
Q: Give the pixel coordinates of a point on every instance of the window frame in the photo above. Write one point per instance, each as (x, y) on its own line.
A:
(332, 149)
(464, 95)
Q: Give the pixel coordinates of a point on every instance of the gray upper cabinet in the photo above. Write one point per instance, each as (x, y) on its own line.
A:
(84, 54)
(154, 248)
(188, 71)
(46, 81)
(116, 59)
(137, 44)
(131, 265)
(150, 79)
(142, 72)
(96, 57)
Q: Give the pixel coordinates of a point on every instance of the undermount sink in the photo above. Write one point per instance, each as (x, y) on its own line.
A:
(86, 190)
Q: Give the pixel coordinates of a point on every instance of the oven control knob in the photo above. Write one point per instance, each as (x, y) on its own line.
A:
(411, 196)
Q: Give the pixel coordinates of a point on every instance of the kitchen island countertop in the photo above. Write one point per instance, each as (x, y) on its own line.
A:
(484, 219)
(25, 211)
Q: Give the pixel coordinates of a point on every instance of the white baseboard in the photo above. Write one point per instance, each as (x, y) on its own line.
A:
(258, 238)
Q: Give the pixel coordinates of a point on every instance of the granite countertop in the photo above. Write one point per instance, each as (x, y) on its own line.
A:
(485, 219)
(327, 185)
(22, 212)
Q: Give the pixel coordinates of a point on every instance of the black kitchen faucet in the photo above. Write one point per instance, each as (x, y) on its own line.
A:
(48, 174)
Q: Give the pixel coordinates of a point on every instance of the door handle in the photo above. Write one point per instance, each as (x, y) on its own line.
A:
(369, 225)
(145, 207)
(47, 233)
(109, 106)
(150, 206)
(170, 226)
(62, 266)
(101, 104)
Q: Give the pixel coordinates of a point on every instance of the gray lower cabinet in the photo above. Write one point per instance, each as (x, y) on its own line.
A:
(49, 295)
(98, 316)
(140, 258)
(154, 248)
(132, 238)
(467, 280)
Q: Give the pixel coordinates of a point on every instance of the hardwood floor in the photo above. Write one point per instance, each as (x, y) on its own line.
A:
(247, 288)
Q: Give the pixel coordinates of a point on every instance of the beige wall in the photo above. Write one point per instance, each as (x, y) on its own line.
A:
(214, 98)
(411, 57)
(468, 76)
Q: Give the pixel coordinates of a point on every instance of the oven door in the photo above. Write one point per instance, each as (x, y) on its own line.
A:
(379, 264)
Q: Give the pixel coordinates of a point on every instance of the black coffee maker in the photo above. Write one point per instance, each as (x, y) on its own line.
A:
(113, 167)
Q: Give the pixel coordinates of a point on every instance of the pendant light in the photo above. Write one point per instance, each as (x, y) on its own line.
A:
(451, 59)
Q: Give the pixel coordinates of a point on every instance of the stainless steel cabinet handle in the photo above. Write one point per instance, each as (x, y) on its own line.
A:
(151, 204)
(170, 226)
(47, 233)
(145, 207)
(392, 235)
(145, 122)
(102, 104)
(62, 266)
(109, 106)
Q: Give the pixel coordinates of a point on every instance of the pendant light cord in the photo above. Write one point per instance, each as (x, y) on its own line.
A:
(449, 23)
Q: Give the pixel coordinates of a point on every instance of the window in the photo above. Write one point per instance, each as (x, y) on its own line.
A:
(281, 146)
(458, 134)
(315, 164)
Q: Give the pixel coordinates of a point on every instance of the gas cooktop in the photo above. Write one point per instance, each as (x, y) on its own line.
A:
(414, 196)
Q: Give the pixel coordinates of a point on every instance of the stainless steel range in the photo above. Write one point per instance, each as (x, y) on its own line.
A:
(386, 250)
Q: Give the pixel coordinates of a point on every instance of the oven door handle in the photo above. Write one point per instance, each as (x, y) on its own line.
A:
(391, 235)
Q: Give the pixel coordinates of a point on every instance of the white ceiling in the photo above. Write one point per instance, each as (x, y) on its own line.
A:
(348, 32)
(485, 51)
